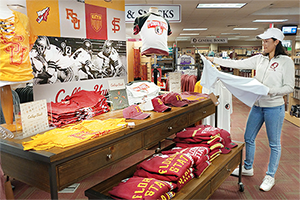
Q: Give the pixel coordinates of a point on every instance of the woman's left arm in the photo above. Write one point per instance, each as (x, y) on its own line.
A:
(288, 82)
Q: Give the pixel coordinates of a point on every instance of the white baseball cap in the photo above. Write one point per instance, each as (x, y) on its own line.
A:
(272, 33)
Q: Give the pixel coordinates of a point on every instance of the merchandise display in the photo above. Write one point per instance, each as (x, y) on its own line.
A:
(79, 106)
(73, 134)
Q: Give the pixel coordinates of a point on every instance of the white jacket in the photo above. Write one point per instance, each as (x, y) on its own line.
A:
(278, 74)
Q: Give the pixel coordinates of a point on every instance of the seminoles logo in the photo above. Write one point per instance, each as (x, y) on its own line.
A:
(43, 15)
(142, 87)
(75, 20)
(14, 48)
(274, 66)
(158, 26)
(96, 21)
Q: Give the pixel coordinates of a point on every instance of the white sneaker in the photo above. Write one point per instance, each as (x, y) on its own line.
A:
(267, 183)
(245, 172)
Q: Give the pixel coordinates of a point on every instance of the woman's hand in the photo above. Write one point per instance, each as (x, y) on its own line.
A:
(211, 59)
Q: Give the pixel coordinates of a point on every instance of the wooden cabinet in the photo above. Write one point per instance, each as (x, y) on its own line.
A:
(197, 188)
(57, 168)
(294, 98)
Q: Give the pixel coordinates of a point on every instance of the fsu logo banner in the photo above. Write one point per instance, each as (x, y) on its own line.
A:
(95, 22)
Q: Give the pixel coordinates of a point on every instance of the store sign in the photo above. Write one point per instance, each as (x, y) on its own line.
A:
(170, 12)
(208, 40)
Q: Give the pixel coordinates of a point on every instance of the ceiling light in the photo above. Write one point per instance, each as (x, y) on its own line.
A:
(220, 5)
(194, 29)
(230, 33)
(245, 29)
(270, 20)
(241, 36)
(189, 33)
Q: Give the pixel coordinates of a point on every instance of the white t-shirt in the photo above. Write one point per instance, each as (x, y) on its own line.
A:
(137, 92)
(247, 90)
(154, 31)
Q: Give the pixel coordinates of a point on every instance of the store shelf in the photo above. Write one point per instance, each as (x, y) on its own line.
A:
(291, 99)
(292, 119)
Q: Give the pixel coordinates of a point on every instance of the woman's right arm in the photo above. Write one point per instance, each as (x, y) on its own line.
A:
(249, 63)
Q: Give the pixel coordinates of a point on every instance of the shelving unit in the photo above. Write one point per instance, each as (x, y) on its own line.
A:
(293, 98)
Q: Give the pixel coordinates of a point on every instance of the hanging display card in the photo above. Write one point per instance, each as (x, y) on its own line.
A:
(175, 82)
(34, 117)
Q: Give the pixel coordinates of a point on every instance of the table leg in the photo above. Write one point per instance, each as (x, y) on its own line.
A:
(53, 182)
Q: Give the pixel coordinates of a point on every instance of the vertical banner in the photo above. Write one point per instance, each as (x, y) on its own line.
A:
(96, 25)
(72, 19)
(44, 17)
(116, 29)
(114, 4)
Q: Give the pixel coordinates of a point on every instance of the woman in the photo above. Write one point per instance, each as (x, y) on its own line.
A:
(275, 70)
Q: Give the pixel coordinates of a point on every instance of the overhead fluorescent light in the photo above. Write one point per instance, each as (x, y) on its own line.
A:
(242, 36)
(270, 20)
(245, 29)
(230, 33)
(194, 29)
(183, 38)
(189, 33)
(220, 5)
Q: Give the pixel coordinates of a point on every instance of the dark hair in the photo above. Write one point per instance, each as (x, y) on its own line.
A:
(280, 50)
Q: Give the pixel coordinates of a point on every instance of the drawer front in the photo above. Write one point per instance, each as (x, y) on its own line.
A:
(165, 129)
(87, 164)
(204, 193)
(201, 113)
(225, 172)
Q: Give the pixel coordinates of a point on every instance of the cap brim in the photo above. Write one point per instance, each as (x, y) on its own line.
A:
(162, 109)
(179, 104)
(141, 116)
(231, 145)
(225, 150)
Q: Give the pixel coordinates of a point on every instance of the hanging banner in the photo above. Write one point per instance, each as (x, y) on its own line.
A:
(209, 40)
(170, 12)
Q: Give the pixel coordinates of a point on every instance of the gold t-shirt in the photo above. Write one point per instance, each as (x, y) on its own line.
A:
(16, 39)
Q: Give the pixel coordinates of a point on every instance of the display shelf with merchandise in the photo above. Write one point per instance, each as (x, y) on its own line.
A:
(293, 98)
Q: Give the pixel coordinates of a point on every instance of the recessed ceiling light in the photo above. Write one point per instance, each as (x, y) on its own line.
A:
(230, 33)
(195, 29)
(220, 5)
(189, 33)
(270, 20)
(245, 29)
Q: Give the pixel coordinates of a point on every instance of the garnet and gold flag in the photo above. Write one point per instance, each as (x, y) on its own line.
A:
(44, 17)
(95, 22)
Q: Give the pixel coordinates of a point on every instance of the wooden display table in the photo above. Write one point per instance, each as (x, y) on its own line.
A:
(197, 188)
(57, 168)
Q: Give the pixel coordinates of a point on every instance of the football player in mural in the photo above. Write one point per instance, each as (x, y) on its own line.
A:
(82, 62)
(111, 63)
(49, 64)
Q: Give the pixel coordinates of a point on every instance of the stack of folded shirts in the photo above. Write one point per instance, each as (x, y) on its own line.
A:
(201, 135)
(216, 139)
(79, 106)
(176, 168)
(199, 154)
(143, 188)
